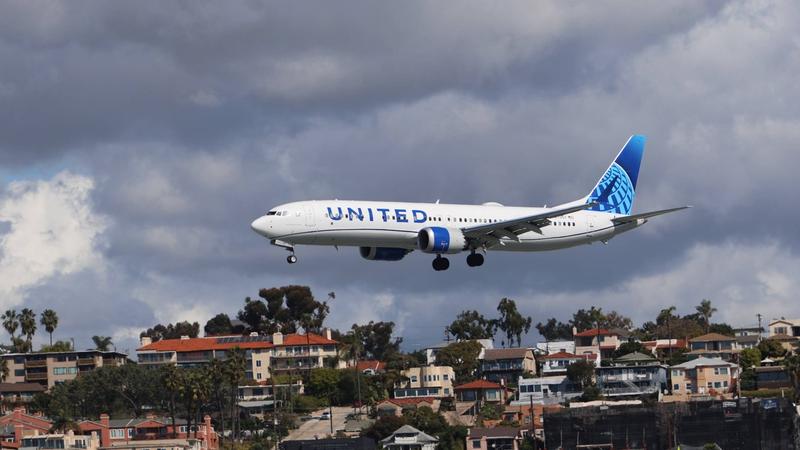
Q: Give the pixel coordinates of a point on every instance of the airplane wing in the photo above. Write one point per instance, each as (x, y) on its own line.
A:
(491, 233)
(647, 215)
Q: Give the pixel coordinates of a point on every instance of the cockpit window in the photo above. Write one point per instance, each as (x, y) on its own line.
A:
(272, 213)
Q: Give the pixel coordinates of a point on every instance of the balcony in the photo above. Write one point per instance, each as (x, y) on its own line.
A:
(36, 376)
(35, 363)
(85, 361)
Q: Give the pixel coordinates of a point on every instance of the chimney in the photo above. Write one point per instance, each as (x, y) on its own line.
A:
(327, 333)
(207, 430)
(105, 431)
(19, 431)
(145, 341)
(277, 338)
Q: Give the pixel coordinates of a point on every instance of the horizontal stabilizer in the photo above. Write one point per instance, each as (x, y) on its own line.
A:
(647, 215)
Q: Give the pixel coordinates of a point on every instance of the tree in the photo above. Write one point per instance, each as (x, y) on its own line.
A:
(462, 357)
(170, 331)
(58, 346)
(376, 340)
(630, 347)
(285, 309)
(749, 358)
(554, 330)
(770, 348)
(472, 325)
(322, 382)
(11, 322)
(581, 373)
(705, 310)
(27, 325)
(3, 370)
(49, 321)
(384, 427)
(102, 343)
(617, 321)
(218, 325)
(513, 324)
(586, 320)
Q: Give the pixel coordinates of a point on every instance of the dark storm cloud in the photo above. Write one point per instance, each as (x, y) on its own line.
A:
(194, 118)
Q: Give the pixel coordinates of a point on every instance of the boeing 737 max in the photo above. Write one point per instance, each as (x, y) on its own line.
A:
(386, 231)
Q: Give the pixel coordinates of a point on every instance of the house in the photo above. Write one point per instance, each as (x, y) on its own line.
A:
(264, 355)
(17, 425)
(634, 374)
(507, 364)
(663, 347)
(409, 438)
(550, 390)
(49, 368)
(396, 406)
(357, 443)
(430, 352)
(257, 399)
(703, 376)
(18, 393)
(60, 441)
(130, 432)
(714, 345)
(371, 367)
(789, 343)
(426, 381)
(772, 377)
(481, 391)
(784, 326)
(557, 363)
(521, 415)
(599, 340)
(498, 438)
(545, 348)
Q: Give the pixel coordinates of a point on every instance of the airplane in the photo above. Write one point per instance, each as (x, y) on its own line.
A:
(388, 231)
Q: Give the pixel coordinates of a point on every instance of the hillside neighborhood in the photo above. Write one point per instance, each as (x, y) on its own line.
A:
(277, 374)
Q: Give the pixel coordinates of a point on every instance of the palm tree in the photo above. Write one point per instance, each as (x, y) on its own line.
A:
(27, 325)
(11, 322)
(102, 343)
(706, 310)
(49, 321)
(3, 370)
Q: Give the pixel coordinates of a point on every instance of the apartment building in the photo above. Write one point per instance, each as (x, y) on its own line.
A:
(556, 363)
(426, 381)
(550, 390)
(138, 432)
(277, 353)
(60, 441)
(703, 376)
(599, 341)
(49, 368)
(632, 375)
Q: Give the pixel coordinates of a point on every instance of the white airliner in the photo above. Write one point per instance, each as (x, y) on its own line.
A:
(387, 231)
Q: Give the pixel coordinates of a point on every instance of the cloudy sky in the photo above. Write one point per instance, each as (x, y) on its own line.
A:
(139, 139)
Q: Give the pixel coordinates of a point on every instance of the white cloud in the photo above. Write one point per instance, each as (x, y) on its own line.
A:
(53, 231)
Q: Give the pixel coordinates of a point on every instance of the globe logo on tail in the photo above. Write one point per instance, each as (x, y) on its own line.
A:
(614, 193)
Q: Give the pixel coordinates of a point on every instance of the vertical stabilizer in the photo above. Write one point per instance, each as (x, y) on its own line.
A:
(616, 189)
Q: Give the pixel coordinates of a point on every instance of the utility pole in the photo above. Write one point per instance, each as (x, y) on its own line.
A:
(274, 411)
(760, 330)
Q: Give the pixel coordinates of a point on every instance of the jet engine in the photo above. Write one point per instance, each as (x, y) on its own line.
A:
(382, 253)
(441, 240)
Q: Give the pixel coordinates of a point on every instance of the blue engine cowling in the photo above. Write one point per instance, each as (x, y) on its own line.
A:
(382, 253)
(441, 240)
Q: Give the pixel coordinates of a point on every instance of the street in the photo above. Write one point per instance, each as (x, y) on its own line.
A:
(319, 429)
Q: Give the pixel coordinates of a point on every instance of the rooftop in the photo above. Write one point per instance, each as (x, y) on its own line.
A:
(704, 362)
(496, 432)
(505, 353)
(409, 430)
(565, 355)
(231, 342)
(712, 337)
(478, 384)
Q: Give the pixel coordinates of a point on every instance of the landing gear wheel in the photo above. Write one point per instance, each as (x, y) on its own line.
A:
(475, 260)
(440, 263)
(291, 259)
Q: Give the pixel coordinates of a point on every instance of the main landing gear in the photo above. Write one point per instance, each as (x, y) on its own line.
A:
(440, 263)
(291, 259)
(475, 259)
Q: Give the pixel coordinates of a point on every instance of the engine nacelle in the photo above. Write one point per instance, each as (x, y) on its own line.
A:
(441, 240)
(382, 253)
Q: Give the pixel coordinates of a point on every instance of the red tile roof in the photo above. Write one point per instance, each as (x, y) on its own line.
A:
(377, 366)
(479, 384)
(220, 343)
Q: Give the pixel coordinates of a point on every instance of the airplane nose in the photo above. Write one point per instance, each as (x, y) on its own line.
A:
(260, 225)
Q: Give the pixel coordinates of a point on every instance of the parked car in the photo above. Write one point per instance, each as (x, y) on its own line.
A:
(325, 416)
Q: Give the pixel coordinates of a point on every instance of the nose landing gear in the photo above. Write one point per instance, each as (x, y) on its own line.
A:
(291, 259)
(475, 259)
(440, 263)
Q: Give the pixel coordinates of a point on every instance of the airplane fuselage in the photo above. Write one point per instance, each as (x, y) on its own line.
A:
(397, 224)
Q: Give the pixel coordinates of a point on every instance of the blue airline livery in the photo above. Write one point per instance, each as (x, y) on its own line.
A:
(388, 231)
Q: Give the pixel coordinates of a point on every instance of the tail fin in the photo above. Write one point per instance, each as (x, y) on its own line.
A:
(615, 191)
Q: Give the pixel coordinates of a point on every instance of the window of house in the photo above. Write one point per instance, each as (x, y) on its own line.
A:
(689, 386)
(130, 432)
(710, 385)
(780, 330)
(717, 384)
(476, 443)
(117, 433)
(413, 378)
(676, 387)
(722, 371)
(445, 376)
(725, 383)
